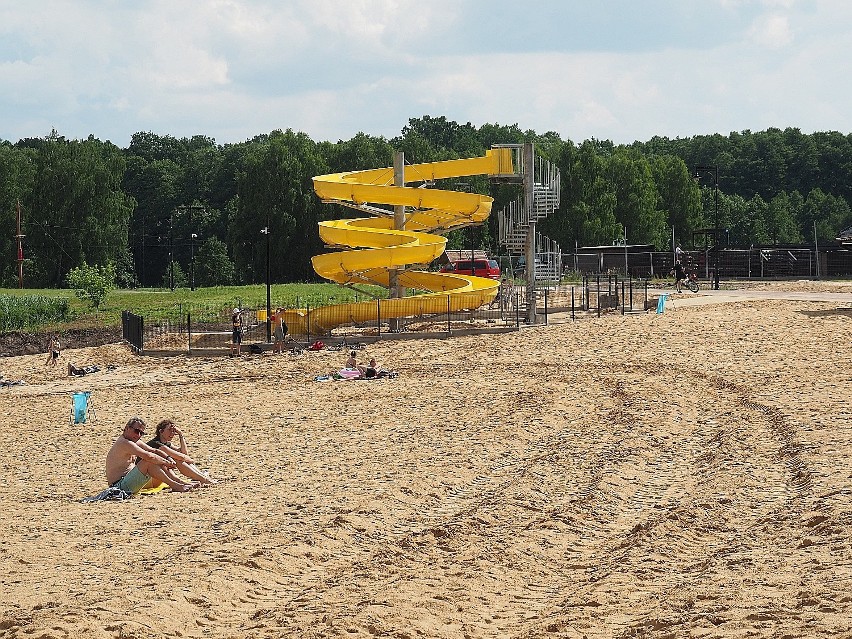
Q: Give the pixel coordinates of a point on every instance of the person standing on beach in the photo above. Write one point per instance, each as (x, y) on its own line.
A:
(679, 275)
(280, 333)
(53, 351)
(132, 465)
(237, 335)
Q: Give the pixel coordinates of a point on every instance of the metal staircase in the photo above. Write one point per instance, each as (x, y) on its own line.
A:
(514, 221)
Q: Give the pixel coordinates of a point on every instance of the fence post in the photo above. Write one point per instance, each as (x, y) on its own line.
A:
(449, 323)
(599, 295)
(517, 310)
(308, 322)
(378, 316)
(615, 289)
(546, 319)
(631, 293)
(572, 303)
(188, 333)
(622, 296)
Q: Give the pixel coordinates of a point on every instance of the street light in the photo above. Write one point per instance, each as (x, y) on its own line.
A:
(171, 254)
(265, 231)
(192, 239)
(713, 171)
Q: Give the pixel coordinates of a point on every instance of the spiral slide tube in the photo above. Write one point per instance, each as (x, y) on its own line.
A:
(382, 248)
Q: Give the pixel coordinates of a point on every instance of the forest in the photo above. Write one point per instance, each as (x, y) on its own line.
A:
(191, 208)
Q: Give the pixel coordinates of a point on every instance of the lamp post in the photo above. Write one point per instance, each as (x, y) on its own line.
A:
(713, 171)
(171, 254)
(265, 231)
(192, 239)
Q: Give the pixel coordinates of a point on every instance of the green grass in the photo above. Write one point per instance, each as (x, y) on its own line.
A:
(165, 303)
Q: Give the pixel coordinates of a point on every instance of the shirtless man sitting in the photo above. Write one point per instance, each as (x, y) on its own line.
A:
(124, 472)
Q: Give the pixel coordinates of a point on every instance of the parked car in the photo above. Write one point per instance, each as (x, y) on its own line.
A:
(481, 268)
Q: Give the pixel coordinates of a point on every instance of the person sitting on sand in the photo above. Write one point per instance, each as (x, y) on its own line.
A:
(132, 465)
(351, 361)
(372, 369)
(166, 432)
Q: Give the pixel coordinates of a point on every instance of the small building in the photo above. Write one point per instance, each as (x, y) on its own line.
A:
(454, 255)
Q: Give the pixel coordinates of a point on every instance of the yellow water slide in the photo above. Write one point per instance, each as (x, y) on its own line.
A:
(383, 248)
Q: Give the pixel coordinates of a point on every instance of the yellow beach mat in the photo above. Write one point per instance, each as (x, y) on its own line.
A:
(153, 490)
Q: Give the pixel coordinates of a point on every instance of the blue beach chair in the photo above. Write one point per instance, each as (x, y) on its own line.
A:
(82, 407)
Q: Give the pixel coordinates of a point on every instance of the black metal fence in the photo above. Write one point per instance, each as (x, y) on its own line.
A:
(734, 263)
(133, 330)
(187, 329)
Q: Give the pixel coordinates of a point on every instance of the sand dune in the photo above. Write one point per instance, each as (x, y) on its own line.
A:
(683, 474)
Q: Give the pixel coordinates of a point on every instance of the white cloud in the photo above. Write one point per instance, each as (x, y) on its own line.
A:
(232, 69)
(771, 31)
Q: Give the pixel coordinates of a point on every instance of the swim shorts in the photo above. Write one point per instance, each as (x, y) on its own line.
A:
(237, 337)
(132, 482)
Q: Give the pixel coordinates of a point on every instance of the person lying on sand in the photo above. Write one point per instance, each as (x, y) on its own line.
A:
(132, 465)
(167, 430)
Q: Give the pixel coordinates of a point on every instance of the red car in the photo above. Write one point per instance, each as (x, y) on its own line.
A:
(481, 268)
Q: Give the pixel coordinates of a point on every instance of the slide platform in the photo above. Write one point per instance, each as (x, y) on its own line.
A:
(380, 248)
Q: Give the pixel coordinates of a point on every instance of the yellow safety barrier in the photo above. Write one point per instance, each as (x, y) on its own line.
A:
(384, 248)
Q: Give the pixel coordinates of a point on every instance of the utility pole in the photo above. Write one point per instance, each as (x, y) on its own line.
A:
(268, 282)
(396, 289)
(171, 254)
(713, 171)
(20, 237)
(529, 203)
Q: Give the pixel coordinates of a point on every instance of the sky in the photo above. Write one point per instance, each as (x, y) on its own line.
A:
(620, 70)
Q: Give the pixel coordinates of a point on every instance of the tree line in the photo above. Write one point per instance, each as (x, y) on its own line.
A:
(167, 210)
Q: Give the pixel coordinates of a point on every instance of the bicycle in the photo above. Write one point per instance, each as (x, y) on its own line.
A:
(690, 282)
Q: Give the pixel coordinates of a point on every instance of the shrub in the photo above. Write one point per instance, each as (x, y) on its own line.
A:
(92, 282)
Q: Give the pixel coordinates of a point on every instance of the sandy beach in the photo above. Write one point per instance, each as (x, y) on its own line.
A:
(672, 475)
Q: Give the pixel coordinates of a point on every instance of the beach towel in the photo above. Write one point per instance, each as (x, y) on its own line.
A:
(110, 494)
(74, 371)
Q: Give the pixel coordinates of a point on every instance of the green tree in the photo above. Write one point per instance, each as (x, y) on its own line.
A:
(277, 185)
(213, 267)
(174, 275)
(679, 198)
(782, 220)
(78, 211)
(16, 181)
(92, 283)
